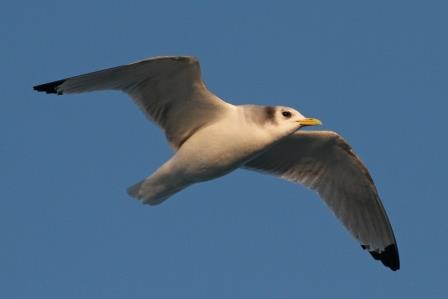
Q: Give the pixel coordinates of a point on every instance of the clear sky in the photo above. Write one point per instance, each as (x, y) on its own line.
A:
(374, 71)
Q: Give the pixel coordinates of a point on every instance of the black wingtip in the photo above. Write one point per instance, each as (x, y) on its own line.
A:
(50, 87)
(389, 256)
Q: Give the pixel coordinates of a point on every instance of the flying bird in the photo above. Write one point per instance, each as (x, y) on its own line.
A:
(211, 138)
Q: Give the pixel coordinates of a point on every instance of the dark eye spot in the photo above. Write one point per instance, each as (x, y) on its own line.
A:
(286, 114)
(269, 113)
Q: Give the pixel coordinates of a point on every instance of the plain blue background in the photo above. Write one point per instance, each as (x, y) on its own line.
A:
(374, 71)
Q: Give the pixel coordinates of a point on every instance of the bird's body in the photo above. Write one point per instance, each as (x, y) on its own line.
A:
(212, 138)
(224, 151)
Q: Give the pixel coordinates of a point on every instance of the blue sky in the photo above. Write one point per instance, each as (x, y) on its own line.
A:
(374, 71)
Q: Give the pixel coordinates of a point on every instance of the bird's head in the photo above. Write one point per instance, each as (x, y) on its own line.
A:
(285, 120)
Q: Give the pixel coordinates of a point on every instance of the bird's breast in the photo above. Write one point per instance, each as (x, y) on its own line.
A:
(217, 150)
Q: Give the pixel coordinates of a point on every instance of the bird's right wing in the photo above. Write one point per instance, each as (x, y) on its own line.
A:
(169, 90)
(324, 162)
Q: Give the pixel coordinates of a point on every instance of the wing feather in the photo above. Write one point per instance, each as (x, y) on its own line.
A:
(169, 90)
(324, 162)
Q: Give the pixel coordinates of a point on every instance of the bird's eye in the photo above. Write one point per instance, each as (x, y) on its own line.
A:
(286, 114)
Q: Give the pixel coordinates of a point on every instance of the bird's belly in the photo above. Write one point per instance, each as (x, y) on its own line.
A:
(214, 153)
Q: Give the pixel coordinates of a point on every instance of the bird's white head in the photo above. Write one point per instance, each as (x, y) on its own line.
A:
(284, 120)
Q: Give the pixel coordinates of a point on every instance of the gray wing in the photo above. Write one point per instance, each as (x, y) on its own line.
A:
(169, 90)
(324, 162)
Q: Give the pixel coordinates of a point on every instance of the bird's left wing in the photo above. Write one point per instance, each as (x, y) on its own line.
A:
(169, 90)
(324, 162)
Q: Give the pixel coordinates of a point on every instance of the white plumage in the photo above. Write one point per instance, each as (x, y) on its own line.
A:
(212, 138)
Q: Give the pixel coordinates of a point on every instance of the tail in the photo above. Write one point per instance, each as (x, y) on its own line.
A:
(151, 194)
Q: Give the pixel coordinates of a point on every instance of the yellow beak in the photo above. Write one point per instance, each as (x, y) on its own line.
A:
(309, 122)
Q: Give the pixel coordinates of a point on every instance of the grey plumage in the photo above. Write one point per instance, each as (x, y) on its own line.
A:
(212, 138)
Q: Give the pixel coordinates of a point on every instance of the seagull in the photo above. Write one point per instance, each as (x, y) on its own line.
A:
(212, 138)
